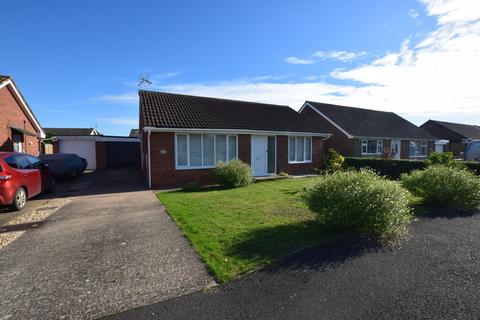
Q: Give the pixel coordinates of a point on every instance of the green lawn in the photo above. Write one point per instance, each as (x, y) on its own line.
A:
(238, 230)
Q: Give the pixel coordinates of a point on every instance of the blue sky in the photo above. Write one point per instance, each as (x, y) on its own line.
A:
(77, 62)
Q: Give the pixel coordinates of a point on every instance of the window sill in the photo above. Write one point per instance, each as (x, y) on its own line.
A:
(299, 162)
(371, 154)
(193, 168)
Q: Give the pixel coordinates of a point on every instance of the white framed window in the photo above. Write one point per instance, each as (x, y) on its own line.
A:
(300, 149)
(372, 147)
(202, 150)
(417, 149)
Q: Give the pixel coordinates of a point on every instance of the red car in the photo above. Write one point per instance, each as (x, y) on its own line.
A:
(22, 177)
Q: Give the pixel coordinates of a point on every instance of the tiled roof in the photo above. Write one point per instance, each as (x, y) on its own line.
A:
(468, 131)
(370, 123)
(133, 133)
(69, 131)
(167, 110)
(3, 77)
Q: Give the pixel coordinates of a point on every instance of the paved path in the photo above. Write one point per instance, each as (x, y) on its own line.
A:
(433, 275)
(111, 248)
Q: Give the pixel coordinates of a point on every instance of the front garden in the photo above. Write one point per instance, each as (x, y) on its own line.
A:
(238, 230)
(241, 226)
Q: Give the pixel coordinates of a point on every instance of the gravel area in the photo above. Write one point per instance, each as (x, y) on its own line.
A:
(33, 218)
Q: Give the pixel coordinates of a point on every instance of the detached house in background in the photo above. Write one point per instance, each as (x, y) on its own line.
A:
(183, 137)
(368, 133)
(19, 128)
(457, 134)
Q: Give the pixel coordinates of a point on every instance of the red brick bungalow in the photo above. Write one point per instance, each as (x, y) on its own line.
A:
(19, 128)
(458, 135)
(361, 132)
(183, 137)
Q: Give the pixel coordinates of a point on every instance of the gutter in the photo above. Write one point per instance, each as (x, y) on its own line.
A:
(239, 131)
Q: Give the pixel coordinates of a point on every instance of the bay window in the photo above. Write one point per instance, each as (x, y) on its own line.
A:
(204, 150)
(372, 147)
(299, 149)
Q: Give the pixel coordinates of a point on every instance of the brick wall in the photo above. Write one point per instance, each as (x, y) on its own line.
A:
(244, 148)
(457, 148)
(164, 174)
(56, 146)
(101, 155)
(298, 168)
(11, 114)
(406, 149)
(338, 141)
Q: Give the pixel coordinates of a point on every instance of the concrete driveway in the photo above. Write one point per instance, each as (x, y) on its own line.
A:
(111, 248)
(433, 274)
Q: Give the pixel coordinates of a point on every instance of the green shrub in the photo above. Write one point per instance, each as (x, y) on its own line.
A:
(232, 174)
(361, 202)
(445, 159)
(391, 168)
(333, 161)
(445, 186)
(473, 166)
(191, 187)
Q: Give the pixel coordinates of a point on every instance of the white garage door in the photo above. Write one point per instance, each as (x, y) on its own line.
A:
(85, 149)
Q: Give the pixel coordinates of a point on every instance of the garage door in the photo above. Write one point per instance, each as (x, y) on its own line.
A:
(85, 149)
(123, 154)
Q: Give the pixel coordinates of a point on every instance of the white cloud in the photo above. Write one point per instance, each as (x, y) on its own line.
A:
(339, 55)
(440, 74)
(413, 13)
(296, 60)
(434, 78)
(167, 75)
(120, 121)
(292, 94)
(343, 56)
(124, 98)
(453, 11)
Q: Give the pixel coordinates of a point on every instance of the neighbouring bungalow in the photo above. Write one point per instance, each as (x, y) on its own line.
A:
(458, 135)
(183, 137)
(369, 133)
(19, 128)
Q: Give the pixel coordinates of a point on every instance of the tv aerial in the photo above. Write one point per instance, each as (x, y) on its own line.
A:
(143, 81)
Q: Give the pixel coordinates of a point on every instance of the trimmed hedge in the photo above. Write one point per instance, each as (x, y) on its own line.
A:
(393, 169)
(390, 168)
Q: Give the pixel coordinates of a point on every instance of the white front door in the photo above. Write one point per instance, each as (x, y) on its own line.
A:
(395, 148)
(259, 155)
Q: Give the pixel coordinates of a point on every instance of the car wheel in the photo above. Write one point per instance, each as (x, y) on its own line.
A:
(20, 199)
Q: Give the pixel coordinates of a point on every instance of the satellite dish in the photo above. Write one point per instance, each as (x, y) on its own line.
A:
(143, 81)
